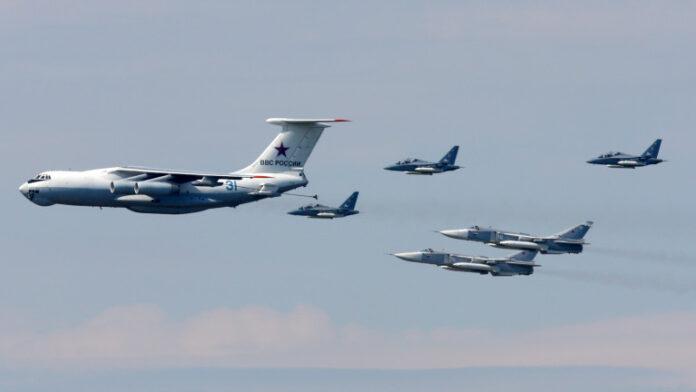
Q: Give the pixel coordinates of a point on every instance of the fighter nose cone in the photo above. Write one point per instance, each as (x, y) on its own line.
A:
(456, 233)
(24, 189)
(409, 256)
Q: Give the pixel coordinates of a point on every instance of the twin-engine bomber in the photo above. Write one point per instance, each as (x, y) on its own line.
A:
(279, 169)
(517, 264)
(567, 241)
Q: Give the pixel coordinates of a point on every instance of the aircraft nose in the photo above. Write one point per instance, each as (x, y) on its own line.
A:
(457, 233)
(24, 189)
(409, 256)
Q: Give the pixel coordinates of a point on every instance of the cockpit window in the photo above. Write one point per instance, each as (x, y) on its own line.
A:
(409, 160)
(611, 154)
(428, 250)
(40, 177)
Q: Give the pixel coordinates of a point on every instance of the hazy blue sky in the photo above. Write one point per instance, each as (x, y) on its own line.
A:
(528, 89)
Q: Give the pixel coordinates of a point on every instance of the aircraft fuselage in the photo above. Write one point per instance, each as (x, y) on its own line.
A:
(95, 188)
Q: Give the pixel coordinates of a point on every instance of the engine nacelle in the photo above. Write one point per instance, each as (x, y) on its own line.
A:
(122, 187)
(155, 188)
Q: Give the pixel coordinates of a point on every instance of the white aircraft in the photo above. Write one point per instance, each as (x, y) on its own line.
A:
(280, 168)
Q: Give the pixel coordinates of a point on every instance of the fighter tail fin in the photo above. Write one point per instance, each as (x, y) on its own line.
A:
(577, 232)
(349, 204)
(653, 150)
(451, 156)
(290, 150)
(525, 255)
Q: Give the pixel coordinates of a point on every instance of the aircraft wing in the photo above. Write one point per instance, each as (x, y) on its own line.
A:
(179, 177)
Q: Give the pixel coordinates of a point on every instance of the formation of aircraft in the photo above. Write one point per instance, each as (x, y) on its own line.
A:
(417, 166)
(619, 160)
(521, 263)
(279, 169)
(326, 212)
(567, 241)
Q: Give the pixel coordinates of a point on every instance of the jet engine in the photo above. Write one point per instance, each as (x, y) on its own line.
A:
(155, 188)
(123, 187)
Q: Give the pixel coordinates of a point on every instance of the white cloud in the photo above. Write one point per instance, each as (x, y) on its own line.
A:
(142, 336)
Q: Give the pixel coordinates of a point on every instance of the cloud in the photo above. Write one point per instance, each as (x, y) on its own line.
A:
(143, 336)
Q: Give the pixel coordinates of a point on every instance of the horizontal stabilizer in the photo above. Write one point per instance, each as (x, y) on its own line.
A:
(281, 121)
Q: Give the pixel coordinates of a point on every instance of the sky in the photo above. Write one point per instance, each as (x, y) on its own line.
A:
(253, 298)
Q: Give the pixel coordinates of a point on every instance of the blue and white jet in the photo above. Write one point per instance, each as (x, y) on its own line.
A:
(279, 169)
(619, 160)
(567, 241)
(417, 166)
(326, 212)
(521, 263)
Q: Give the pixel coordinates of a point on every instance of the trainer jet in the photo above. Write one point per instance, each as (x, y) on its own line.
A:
(567, 241)
(279, 169)
(517, 264)
(619, 160)
(417, 166)
(321, 211)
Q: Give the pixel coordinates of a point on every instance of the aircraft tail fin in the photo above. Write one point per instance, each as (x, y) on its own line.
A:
(525, 255)
(290, 150)
(653, 150)
(349, 204)
(451, 156)
(575, 233)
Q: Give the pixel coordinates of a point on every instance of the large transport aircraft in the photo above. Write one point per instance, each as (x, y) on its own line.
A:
(279, 169)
